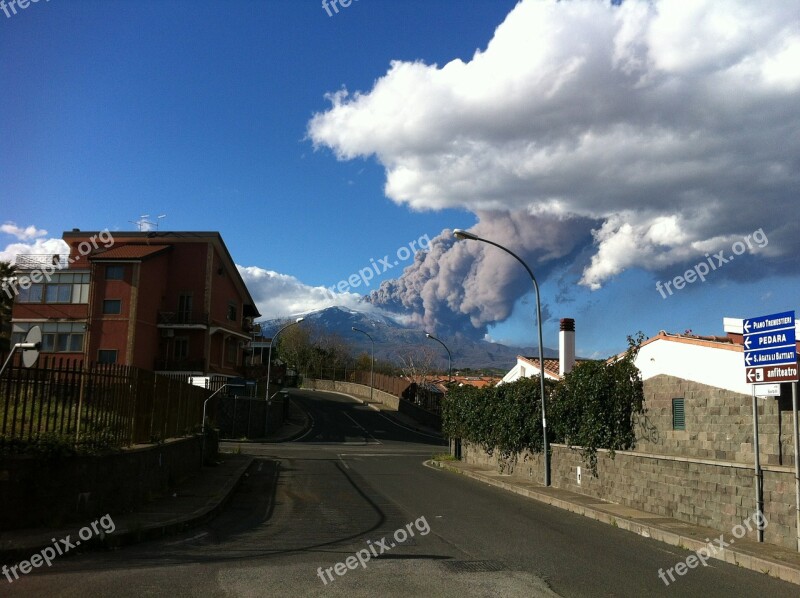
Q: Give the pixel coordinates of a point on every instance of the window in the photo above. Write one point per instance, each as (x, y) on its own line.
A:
(115, 272)
(184, 308)
(60, 287)
(112, 306)
(58, 293)
(232, 311)
(230, 350)
(64, 337)
(33, 294)
(180, 350)
(107, 356)
(678, 415)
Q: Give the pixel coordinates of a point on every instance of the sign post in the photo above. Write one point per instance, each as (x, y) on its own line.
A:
(770, 357)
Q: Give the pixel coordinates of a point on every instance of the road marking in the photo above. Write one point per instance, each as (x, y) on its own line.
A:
(363, 429)
(197, 537)
(346, 466)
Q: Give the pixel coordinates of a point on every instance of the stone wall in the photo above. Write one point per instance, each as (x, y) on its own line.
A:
(719, 423)
(717, 494)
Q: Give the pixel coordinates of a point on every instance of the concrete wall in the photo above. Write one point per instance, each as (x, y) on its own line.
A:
(50, 492)
(392, 402)
(358, 390)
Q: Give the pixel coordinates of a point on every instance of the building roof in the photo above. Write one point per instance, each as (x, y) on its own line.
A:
(130, 251)
(550, 364)
(160, 238)
(717, 342)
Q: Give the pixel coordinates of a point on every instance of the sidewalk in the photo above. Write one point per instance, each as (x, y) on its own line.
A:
(196, 500)
(770, 559)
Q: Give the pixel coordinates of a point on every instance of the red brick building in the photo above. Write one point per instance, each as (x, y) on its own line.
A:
(162, 301)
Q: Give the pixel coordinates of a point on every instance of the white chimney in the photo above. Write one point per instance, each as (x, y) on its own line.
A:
(566, 346)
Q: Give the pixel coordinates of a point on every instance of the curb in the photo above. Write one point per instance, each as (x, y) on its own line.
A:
(769, 567)
(124, 536)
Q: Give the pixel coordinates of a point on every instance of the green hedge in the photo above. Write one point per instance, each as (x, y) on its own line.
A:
(592, 407)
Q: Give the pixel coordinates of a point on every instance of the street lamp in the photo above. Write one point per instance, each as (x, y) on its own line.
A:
(372, 364)
(203, 427)
(449, 357)
(269, 367)
(462, 234)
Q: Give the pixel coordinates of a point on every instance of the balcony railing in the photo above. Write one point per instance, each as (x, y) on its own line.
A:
(39, 261)
(180, 318)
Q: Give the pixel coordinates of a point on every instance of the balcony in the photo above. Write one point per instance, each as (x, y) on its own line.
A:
(180, 319)
(40, 261)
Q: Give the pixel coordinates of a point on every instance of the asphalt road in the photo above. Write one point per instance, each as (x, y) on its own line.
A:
(308, 509)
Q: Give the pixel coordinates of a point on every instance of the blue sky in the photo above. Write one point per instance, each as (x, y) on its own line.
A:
(205, 112)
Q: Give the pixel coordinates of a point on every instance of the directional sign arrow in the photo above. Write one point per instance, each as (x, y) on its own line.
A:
(747, 342)
(751, 375)
(747, 326)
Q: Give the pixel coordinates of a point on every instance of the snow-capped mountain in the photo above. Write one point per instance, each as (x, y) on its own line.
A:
(393, 339)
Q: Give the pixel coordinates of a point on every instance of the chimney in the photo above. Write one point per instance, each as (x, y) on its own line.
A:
(566, 346)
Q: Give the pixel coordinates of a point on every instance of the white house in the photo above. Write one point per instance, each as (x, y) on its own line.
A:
(554, 369)
(717, 361)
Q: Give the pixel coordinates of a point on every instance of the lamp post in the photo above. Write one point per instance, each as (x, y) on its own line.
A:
(203, 427)
(269, 367)
(372, 364)
(449, 356)
(462, 234)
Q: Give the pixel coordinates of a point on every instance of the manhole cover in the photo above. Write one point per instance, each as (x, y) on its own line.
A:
(473, 566)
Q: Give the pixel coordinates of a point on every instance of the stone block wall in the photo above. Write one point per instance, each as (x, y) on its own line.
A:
(715, 494)
(719, 423)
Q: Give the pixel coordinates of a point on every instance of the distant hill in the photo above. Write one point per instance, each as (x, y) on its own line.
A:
(392, 338)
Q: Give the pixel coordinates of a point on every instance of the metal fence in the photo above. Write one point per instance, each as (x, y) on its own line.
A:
(101, 405)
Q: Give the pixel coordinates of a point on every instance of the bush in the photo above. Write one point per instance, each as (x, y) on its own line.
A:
(592, 407)
(506, 418)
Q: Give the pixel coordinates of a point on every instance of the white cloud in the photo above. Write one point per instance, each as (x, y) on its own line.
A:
(669, 122)
(23, 234)
(38, 247)
(278, 295)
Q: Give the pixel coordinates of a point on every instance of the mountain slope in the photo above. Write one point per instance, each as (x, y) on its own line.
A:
(392, 339)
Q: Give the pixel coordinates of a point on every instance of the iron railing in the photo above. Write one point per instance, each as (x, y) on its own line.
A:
(100, 405)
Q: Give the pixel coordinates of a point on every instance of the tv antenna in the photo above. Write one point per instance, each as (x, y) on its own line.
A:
(143, 224)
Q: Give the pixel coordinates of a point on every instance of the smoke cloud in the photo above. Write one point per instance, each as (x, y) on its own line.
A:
(648, 131)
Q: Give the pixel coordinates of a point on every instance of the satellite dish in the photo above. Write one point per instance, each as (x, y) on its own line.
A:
(31, 346)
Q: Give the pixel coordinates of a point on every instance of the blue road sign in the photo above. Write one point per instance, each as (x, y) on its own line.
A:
(771, 322)
(774, 356)
(774, 338)
(770, 341)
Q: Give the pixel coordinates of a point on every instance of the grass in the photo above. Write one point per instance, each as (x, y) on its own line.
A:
(444, 457)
